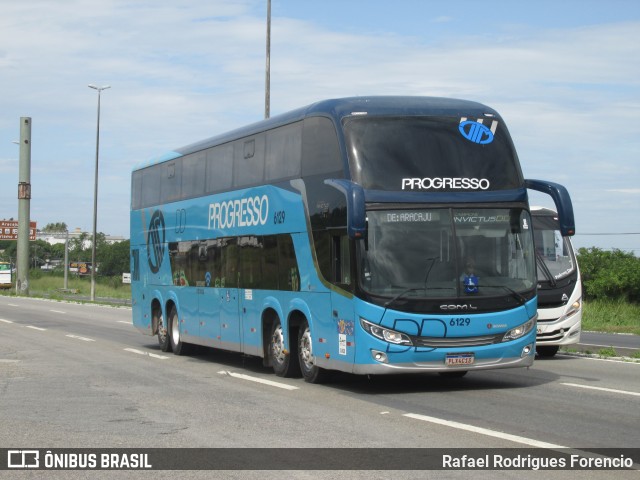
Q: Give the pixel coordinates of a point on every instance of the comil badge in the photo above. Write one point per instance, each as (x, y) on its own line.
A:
(476, 131)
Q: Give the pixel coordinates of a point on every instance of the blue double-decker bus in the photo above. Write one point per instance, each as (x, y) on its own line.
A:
(371, 235)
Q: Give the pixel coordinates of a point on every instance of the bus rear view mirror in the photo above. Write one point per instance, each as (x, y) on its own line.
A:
(354, 194)
(562, 200)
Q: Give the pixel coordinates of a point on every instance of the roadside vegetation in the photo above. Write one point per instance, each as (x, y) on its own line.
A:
(51, 285)
(611, 316)
(611, 290)
(113, 260)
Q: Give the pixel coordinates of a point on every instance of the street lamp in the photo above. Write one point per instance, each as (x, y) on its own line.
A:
(95, 198)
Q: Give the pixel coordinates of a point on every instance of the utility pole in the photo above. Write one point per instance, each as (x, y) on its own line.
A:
(267, 89)
(24, 207)
(95, 199)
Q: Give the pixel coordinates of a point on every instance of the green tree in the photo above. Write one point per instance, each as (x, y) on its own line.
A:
(8, 249)
(58, 227)
(609, 274)
(77, 250)
(113, 259)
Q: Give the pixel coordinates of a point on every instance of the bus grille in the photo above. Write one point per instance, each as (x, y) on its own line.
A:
(452, 342)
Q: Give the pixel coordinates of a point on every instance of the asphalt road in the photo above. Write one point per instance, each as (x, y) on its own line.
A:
(624, 345)
(76, 376)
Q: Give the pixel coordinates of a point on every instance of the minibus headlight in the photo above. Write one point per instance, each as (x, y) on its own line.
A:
(574, 308)
(385, 334)
(519, 331)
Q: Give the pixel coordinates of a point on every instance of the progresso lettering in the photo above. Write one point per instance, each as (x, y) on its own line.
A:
(243, 212)
(437, 183)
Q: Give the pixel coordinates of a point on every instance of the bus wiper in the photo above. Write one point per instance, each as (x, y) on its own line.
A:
(545, 269)
(521, 299)
(402, 294)
(426, 277)
(412, 289)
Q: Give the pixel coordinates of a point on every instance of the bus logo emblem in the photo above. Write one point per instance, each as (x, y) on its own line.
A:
(476, 132)
(155, 241)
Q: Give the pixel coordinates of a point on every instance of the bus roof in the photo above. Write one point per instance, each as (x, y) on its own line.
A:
(337, 109)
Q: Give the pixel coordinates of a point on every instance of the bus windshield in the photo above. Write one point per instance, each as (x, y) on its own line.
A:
(384, 152)
(553, 251)
(448, 253)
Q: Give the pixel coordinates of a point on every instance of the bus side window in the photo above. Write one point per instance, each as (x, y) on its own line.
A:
(135, 265)
(341, 259)
(248, 162)
(289, 276)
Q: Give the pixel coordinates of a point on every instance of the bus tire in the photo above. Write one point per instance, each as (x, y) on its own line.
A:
(177, 345)
(310, 372)
(163, 331)
(547, 351)
(280, 358)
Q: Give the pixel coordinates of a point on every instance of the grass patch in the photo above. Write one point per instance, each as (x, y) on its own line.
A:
(611, 316)
(51, 285)
(608, 352)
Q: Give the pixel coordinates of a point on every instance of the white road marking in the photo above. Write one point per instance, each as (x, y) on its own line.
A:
(633, 361)
(13, 305)
(484, 431)
(57, 311)
(258, 380)
(5, 321)
(122, 321)
(84, 339)
(36, 328)
(140, 352)
(602, 389)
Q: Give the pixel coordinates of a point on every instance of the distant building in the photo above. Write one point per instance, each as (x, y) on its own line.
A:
(53, 238)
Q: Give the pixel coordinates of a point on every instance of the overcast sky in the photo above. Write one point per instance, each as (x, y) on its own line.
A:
(565, 75)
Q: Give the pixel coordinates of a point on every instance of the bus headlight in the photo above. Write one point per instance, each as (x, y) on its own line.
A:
(519, 331)
(574, 308)
(385, 334)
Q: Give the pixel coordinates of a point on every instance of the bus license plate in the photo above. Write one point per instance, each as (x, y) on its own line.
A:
(459, 359)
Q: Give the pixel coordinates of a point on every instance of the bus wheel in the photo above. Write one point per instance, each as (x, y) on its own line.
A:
(548, 351)
(177, 345)
(311, 373)
(280, 358)
(163, 334)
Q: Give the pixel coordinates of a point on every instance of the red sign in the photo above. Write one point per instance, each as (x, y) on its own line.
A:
(9, 230)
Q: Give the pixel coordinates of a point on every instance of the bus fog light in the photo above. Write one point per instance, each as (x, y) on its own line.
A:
(526, 350)
(379, 356)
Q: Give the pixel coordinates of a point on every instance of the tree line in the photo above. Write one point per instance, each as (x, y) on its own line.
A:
(609, 274)
(113, 259)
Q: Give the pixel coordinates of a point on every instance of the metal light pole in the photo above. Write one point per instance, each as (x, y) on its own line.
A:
(267, 82)
(95, 198)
